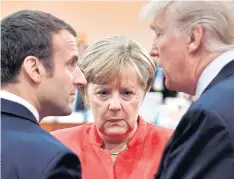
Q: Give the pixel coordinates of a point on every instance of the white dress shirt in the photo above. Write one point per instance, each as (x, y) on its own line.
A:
(212, 70)
(17, 99)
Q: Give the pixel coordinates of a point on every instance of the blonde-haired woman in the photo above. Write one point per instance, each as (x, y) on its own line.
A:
(119, 144)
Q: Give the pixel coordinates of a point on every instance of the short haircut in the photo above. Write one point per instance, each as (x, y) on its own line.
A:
(216, 17)
(28, 33)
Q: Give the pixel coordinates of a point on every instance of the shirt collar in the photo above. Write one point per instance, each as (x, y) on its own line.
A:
(17, 99)
(212, 70)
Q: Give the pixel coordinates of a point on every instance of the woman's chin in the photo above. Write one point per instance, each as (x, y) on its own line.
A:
(116, 131)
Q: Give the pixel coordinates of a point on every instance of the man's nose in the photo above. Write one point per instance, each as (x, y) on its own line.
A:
(154, 51)
(79, 78)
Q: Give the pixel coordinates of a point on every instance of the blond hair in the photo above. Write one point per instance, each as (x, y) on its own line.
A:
(105, 59)
(216, 18)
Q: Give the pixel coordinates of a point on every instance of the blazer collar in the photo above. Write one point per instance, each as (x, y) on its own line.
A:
(226, 71)
(16, 109)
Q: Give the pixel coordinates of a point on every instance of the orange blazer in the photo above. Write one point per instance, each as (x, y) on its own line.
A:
(140, 161)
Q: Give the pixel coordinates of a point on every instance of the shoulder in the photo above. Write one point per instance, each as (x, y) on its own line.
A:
(155, 132)
(72, 134)
(207, 123)
(155, 135)
(57, 161)
(72, 131)
(54, 152)
(32, 136)
(63, 165)
(37, 141)
(217, 96)
(40, 151)
(215, 105)
(161, 132)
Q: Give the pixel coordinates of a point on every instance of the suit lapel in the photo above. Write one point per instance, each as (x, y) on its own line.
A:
(16, 109)
(226, 71)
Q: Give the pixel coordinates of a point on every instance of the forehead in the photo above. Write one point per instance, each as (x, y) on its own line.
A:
(126, 78)
(64, 42)
(158, 23)
(159, 20)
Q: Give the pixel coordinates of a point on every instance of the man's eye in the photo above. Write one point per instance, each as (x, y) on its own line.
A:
(72, 63)
(158, 35)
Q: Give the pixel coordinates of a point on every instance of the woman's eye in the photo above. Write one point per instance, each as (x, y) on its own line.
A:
(127, 93)
(103, 93)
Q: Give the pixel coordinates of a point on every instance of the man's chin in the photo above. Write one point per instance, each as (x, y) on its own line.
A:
(65, 112)
(169, 85)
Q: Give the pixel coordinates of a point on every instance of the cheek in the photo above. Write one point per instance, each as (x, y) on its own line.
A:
(70, 76)
(64, 78)
(172, 54)
(164, 48)
(132, 111)
(66, 74)
(164, 54)
(98, 110)
(58, 83)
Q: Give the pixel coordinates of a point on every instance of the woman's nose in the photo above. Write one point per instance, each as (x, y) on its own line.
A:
(115, 104)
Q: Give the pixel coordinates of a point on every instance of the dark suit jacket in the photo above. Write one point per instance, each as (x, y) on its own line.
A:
(29, 152)
(202, 146)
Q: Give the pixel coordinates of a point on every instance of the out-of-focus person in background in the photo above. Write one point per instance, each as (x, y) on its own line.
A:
(39, 78)
(119, 143)
(159, 85)
(194, 44)
(82, 44)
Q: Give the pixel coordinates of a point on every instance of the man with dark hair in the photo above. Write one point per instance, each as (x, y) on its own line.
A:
(39, 78)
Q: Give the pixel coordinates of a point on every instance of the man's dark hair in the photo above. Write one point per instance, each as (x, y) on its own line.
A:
(28, 33)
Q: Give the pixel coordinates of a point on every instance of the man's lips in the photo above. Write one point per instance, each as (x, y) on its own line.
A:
(73, 96)
(73, 93)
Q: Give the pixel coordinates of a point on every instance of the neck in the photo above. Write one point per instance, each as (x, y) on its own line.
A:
(117, 146)
(22, 92)
(204, 61)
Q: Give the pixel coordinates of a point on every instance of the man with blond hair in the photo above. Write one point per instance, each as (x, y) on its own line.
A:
(194, 43)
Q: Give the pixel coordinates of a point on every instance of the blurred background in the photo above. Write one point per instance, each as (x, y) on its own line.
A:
(92, 21)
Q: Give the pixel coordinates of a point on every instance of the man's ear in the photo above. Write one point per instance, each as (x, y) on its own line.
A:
(196, 39)
(33, 68)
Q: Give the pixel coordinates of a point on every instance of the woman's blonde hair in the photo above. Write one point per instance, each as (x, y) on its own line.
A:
(105, 59)
(216, 17)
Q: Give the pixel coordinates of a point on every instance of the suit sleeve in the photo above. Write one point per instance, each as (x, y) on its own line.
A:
(64, 166)
(201, 148)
